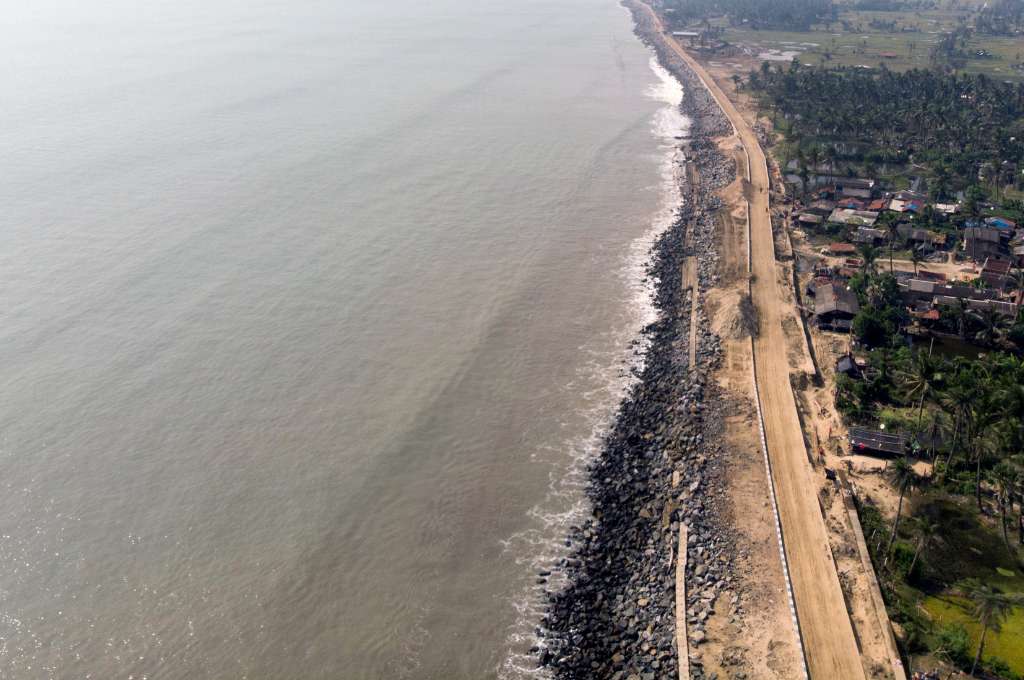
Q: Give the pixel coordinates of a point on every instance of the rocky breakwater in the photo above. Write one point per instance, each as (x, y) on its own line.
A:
(661, 465)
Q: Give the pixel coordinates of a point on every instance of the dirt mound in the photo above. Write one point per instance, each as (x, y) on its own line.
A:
(734, 316)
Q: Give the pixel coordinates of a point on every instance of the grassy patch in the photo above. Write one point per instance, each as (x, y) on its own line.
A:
(927, 603)
(897, 40)
(1008, 645)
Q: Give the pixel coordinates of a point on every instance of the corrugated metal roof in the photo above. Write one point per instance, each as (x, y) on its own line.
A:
(862, 438)
(919, 286)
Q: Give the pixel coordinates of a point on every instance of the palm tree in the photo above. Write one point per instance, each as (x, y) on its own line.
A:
(1018, 279)
(890, 225)
(956, 400)
(804, 176)
(984, 413)
(993, 326)
(1006, 479)
(991, 607)
(920, 380)
(960, 312)
(940, 185)
(868, 255)
(815, 158)
(904, 477)
(915, 258)
(927, 532)
(832, 154)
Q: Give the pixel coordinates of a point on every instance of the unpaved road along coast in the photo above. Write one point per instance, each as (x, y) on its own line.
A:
(829, 642)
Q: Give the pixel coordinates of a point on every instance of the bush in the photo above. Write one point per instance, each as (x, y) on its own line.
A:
(902, 556)
(876, 327)
(997, 666)
(896, 421)
(852, 400)
(953, 640)
(914, 636)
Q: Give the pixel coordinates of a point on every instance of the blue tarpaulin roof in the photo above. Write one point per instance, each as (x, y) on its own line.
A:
(1000, 223)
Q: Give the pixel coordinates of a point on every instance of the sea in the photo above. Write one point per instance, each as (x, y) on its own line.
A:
(312, 313)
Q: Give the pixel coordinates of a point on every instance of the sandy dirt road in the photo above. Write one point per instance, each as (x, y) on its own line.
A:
(828, 638)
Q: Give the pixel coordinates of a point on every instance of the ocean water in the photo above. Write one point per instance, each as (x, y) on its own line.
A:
(312, 313)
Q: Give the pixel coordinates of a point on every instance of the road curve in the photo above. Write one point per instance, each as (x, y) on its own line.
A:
(828, 637)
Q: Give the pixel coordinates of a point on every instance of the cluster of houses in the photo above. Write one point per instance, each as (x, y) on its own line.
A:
(925, 294)
(856, 204)
(994, 243)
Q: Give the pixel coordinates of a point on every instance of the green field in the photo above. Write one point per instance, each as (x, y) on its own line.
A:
(899, 40)
(897, 51)
(1007, 645)
(968, 548)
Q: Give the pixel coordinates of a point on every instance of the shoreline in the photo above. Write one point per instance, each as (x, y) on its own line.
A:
(833, 639)
(661, 465)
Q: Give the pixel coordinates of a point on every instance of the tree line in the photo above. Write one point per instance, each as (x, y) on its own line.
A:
(1000, 17)
(958, 122)
(781, 14)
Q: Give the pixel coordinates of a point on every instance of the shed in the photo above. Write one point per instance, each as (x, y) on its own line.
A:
(841, 249)
(863, 218)
(909, 196)
(864, 440)
(847, 366)
(854, 182)
(854, 192)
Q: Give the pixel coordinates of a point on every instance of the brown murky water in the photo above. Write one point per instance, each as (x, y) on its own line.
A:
(309, 314)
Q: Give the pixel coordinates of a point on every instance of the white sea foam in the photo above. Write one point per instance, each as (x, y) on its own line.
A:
(613, 361)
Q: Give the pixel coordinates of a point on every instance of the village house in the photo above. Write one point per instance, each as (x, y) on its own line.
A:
(996, 273)
(809, 219)
(910, 196)
(834, 307)
(922, 239)
(841, 249)
(875, 237)
(1001, 307)
(916, 290)
(906, 206)
(851, 204)
(821, 207)
(1018, 255)
(983, 242)
(863, 218)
